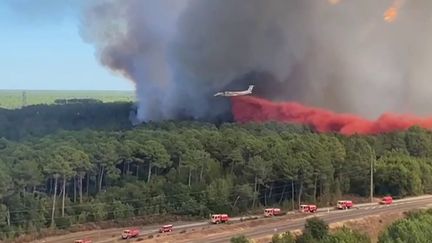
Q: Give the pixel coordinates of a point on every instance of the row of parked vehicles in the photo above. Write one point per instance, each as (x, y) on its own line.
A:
(312, 208)
(132, 233)
(268, 212)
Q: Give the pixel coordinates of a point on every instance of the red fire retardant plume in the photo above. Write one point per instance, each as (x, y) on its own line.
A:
(253, 109)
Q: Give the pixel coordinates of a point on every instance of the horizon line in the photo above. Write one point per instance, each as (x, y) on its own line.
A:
(81, 90)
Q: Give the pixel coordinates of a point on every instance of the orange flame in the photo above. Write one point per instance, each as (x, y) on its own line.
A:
(391, 13)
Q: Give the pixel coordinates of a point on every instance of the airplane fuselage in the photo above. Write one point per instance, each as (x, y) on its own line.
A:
(235, 93)
(232, 93)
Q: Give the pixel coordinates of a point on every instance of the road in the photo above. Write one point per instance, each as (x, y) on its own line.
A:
(329, 217)
(328, 214)
(102, 236)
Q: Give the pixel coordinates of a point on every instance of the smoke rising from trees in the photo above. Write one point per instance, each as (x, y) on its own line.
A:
(340, 56)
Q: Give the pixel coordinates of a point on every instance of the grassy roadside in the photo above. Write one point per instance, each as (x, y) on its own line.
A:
(13, 99)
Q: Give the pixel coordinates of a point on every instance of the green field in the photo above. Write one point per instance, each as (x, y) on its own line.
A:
(12, 99)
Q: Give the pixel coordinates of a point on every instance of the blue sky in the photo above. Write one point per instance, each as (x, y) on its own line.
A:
(48, 53)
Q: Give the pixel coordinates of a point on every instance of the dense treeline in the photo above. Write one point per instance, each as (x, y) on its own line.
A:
(190, 168)
(415, 228)
(39, 120)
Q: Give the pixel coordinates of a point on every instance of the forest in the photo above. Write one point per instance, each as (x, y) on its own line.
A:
(58, 170)
(40, 120)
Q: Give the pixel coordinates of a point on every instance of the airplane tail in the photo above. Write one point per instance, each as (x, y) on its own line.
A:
(250, 88)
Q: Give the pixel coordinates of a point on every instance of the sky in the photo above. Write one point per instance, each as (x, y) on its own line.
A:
(39, 53)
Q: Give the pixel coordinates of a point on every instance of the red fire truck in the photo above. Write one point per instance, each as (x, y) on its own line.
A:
(130, 233)
(344, 204)
(269, 212)
(219, 218)
(166, 228)
(386, 200)
(83, 241)
(308, 208)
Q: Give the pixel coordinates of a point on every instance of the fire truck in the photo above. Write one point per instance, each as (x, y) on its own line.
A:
(166, 228)
(344, 204)
(308, 208)
(219, 218)
(269, 212)
(83, 241)
(386, 200)
(130, 233)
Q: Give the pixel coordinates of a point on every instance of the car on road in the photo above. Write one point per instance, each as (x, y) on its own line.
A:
(166, 228)
(387, 200)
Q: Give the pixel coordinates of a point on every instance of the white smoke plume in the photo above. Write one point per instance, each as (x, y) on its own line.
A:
(335, 54)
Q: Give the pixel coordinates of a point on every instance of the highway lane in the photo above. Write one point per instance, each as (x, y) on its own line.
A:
(329, 217)
(106, 236)
(238, 219)
(102, 235)
(283, 223)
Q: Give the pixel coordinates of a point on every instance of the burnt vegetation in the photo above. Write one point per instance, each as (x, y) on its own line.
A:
(69, 164)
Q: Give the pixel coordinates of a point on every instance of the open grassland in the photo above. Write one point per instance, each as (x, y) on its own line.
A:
(12, 99)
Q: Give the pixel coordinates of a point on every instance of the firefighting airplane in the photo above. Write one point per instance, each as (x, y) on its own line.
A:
(236, 93)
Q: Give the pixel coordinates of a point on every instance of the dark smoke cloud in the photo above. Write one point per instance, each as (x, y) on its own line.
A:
(343, 56)
(132, 38)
